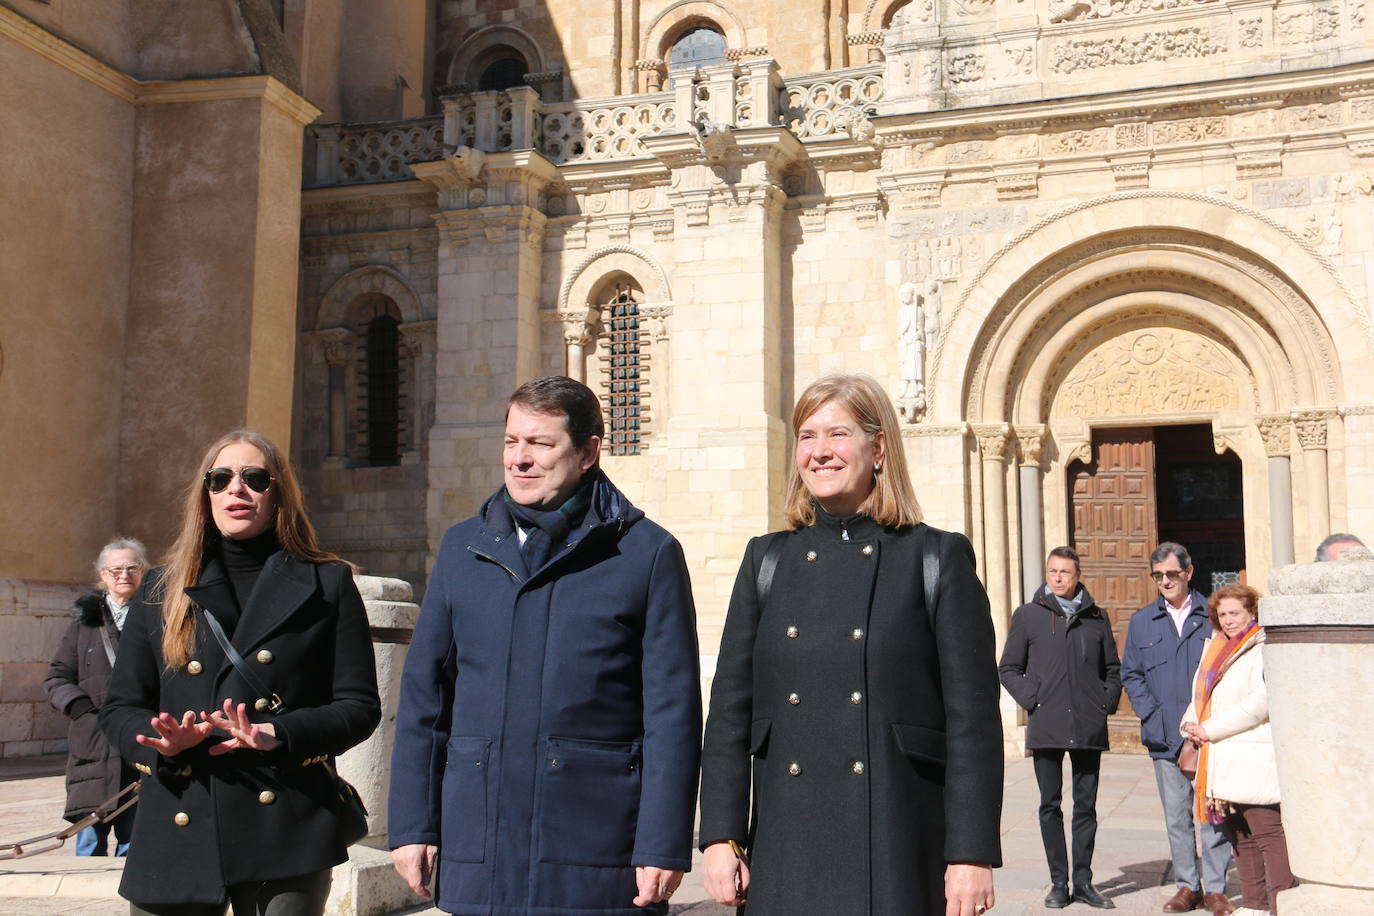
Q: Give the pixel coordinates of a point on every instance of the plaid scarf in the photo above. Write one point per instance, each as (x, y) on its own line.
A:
(1218, 656)
(544, 531)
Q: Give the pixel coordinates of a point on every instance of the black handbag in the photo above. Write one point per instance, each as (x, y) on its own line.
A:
(352, 813)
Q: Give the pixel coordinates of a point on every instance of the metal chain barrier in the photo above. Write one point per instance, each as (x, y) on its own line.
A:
(107, 811)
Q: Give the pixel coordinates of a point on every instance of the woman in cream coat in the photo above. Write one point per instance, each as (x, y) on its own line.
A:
(1237, 780)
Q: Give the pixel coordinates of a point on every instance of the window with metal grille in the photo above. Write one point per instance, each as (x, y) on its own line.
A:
(626, 381)
(383, 415)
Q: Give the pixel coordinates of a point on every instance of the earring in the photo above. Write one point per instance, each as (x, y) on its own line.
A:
(877, 466)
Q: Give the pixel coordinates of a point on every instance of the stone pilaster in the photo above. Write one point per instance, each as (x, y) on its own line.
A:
(420, 338)
(1029, 440)
(1311, 424)
(1276, 430)
(338, 346)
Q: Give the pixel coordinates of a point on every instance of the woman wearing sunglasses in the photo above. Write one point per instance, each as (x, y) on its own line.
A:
(76, 684)
(236, 804)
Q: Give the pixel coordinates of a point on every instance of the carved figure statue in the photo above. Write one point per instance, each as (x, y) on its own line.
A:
(911, 342)
(467, 162)
(855, 122)
(715, 139)
(931, 308)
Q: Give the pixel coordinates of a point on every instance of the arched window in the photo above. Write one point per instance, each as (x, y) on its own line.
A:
(504, 72)
(702, 44)
(383, 426)
(624, 364)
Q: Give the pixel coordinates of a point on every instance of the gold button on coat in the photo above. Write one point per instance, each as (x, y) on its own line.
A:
(856, 698)
(181, 818)
(261, 703)
(794, 769)
(811, 556)
(793, 699)
(857, 634)
(194, 667)
(858, 767)
(266, 797)
(791, 632)
(265, 656)
(868, 550)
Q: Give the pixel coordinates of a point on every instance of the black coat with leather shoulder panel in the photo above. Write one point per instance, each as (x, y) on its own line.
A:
(206, 822)
(870, 726)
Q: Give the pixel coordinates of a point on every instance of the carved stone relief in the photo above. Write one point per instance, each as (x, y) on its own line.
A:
(1274, 430)
(1190, 42)
(1143, 373)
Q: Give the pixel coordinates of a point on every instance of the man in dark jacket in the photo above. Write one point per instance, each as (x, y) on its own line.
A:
(548, 733)
(1163, 649)
(1060, 664)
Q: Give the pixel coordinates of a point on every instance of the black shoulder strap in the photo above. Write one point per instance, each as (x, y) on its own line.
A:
(768, 567)
(930, 571)
(274, 703)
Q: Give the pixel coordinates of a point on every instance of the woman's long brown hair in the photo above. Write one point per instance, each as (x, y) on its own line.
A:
(187, 556)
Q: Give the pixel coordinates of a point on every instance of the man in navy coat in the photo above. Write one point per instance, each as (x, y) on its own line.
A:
(548, 732)
(1163, 650)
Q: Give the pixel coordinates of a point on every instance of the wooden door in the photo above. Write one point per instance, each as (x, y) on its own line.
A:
(1115, 526)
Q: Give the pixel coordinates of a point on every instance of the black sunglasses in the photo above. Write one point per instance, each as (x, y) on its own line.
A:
(256, 479)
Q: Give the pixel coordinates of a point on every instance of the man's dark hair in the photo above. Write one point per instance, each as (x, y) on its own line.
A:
(1066, 553)
(562, 395)
(1170, 549)
(1331, 540)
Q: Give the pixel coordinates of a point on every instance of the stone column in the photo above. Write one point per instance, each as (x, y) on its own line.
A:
(576, 335)
(419, 338)
(1319, 650)
(1275, 430)
(1028, 439)
(992, 444)
(338, 346)
(1311, 426)
(367, 885)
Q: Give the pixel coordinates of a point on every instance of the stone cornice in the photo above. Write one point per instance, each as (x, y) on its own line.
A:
(367, 196)
(40, 41)
(50, 47)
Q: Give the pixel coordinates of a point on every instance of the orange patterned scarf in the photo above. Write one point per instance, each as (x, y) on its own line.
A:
(1217, 657)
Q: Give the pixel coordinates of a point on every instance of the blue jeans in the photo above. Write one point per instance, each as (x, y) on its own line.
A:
(94, 840)
(1176, 795)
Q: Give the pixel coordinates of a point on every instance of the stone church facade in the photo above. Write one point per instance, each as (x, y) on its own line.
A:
(1112, 260)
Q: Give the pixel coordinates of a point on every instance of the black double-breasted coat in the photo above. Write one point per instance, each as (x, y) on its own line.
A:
(80, 670)
(1064, 672)
(867, 728)
(206, 822)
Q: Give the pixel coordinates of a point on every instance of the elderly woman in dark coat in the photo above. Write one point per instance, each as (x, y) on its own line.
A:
(865, 721)
(236, 804)
(76, 683)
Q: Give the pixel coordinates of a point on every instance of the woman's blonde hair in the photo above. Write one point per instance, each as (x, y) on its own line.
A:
(893, 501)
(187, 556)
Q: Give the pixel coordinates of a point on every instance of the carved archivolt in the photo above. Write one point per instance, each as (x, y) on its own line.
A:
(1143, 373)
(611, 258)
(374, 278)
(469, 55)
(661, 33)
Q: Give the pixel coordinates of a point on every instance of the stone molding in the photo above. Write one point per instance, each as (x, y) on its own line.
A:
(662, 293)
(420, 337)
(334, 345)
(1030, 444)
(370, 278)
(1311, 427)
(33, 37)
(933, 430)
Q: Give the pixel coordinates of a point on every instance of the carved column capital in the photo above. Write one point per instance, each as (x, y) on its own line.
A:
(1275, 430)
(1311, 426)
(419, 337)
(1030, 443)
(992, 440)
(337, 345)
(577, 331)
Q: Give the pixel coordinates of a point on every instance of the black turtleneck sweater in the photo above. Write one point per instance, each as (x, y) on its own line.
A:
(243, 562)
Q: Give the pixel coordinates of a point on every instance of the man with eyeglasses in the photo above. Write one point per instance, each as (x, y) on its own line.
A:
(1163, 649)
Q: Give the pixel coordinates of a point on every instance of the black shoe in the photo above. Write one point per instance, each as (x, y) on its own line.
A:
(1089, 895)
(1058, 897)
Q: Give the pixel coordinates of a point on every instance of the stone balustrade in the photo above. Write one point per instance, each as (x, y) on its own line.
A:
(1319, 650)
(741, 94)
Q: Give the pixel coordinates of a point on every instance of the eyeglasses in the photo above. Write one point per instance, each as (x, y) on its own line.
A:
(117, 572)
(256, 479)
(1173, 574)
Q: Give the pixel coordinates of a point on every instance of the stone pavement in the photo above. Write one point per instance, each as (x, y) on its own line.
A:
(1131, 862)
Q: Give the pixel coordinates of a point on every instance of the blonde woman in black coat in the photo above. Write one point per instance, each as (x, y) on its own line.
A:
(77, 680)
(235, 807)
(863, 722)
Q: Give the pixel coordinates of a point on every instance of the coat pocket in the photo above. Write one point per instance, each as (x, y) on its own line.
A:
(589, 801)
(465, 799)
(924, 745)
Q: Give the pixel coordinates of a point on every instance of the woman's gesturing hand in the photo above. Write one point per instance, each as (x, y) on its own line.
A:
(968, 889)
(724, 875)
(242, 733)
(175, 736)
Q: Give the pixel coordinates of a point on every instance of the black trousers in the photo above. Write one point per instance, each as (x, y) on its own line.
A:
(1049, 776)
(304, 895)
